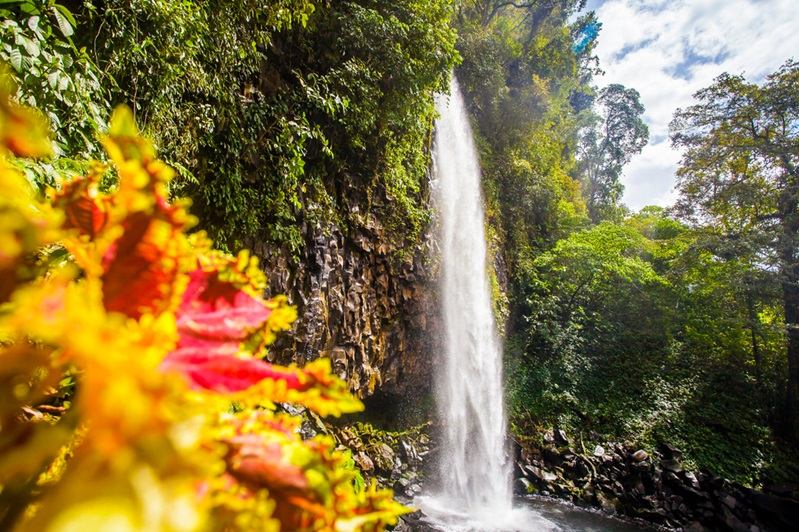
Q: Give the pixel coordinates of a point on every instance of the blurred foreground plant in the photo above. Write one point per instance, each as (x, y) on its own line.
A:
(124, 343)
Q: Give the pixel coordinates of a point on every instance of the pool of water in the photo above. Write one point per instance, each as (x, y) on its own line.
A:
(529, 514)
(569, 518)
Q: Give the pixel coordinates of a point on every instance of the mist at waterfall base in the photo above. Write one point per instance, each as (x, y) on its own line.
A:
(474, 472)
(473, 489)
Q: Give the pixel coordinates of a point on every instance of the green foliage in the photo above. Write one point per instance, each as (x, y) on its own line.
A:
(607, 145)
(646, 331)
(279, 117)
(519, 72)
(740, 173)
(56, 77)
(187, 69)
(310, 113)
(641, 327)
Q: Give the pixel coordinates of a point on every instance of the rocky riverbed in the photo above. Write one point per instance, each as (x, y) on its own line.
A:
(615, 478)
(625, 480)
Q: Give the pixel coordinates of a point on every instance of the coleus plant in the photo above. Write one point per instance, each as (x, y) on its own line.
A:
(161, 335)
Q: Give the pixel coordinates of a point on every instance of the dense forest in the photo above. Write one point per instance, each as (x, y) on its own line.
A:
(303, 130)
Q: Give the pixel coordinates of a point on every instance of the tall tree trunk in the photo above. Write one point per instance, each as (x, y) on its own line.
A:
(790, 293)
(791, 301)
(756, 355)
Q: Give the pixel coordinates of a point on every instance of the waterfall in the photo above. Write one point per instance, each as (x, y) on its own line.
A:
(474, 469)
(474, 477)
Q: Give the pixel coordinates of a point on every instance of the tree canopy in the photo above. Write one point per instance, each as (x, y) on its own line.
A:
(607, 146)
(739, 172)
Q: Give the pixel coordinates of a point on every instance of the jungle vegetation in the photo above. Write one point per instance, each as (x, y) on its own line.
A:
(674, 325)
(662, 326)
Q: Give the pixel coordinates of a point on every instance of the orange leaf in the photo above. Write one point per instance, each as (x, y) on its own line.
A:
(140, 268)
(83, 210)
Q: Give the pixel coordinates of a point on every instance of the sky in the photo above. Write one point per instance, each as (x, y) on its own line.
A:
(669, 49)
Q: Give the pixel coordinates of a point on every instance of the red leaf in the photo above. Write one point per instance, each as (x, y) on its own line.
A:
(215, 310)
(215, 321)
(216, 317)
(225, 373)
(255, 461)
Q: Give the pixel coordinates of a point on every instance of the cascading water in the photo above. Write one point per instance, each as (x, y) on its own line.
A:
(474, 469)
(475, 481)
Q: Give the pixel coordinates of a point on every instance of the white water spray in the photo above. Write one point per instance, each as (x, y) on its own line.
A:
(474, 468)
(475, 480)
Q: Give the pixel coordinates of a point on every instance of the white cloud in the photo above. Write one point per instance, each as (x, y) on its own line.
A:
(668, 50)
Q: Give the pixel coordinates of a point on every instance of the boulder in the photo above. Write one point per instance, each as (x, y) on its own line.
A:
(552, 456)
(560, 438)
(549, 477)
(364, 462)
(540, 475)
(599, 451)
(401, 485)
(522, 486)
(639, 455)
(671, 465)
(383, 457)
(732, 522)
(607, 503)
(669, 452)
(409, 452)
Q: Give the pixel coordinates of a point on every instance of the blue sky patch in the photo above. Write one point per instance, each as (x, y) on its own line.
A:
(693, 57)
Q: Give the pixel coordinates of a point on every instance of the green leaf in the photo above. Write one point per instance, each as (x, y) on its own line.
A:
(29, 8)
(15, 58)
(67, 14)
(31, 46)
(63, 22)
(52, 78)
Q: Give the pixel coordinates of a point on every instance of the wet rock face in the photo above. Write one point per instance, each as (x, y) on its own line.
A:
(370, 311)
(622, 479)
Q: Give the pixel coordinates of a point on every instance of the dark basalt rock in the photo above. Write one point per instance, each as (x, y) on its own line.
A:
(522, 486)
(414, 522)
(552, 455)
(671, 465)
(620, 481)
(363, 300)
(560, 438)
(776, 512)
(657, 488)
(639, 455)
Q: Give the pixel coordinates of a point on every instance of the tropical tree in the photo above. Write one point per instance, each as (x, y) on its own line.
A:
(740, 172)
(617, 135)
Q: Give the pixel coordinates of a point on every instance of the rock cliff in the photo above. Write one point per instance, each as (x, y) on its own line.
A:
(361, 302)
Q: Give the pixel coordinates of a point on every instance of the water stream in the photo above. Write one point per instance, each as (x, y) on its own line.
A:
(473, 491)
(475, 479)
(474, 470)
